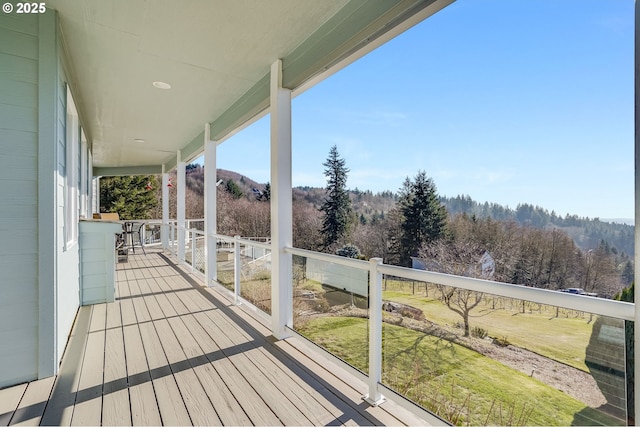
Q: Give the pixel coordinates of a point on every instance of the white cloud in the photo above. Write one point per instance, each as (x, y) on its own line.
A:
(374, 117)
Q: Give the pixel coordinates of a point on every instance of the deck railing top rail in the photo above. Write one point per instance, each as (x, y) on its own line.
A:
(601, 306)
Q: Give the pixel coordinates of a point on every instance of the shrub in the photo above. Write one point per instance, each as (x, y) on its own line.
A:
(321, 305)
(501, 342)
(479, 332)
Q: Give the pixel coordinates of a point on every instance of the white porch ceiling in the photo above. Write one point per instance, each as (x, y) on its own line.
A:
(215, 54)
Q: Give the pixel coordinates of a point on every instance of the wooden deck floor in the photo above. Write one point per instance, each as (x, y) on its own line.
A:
(171, 352)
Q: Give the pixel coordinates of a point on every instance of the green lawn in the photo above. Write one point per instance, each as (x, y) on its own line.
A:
(560, 338)
(452, 381)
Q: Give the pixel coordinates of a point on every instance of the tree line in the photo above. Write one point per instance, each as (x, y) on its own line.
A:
(586, 232)
(413, 223)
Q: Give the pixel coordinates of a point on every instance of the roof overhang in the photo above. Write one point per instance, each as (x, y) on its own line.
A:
(216, 55)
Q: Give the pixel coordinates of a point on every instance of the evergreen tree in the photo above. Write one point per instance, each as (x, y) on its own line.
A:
(233, 189)
(265, 196)
(627, 274)
(337, 205)
(423, 216)
(128, 196)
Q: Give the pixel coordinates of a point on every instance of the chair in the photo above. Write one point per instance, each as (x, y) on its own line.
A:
(122, 251)
(131, 229)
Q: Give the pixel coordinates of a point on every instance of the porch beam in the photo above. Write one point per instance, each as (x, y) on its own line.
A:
(128, 171)
(210, 206)
(281, 204)
(181, 206)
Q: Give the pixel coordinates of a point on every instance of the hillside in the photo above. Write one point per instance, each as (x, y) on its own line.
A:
(586, 232)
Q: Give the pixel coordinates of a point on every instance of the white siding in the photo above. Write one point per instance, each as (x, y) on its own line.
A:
(39, 268)
(18, 196)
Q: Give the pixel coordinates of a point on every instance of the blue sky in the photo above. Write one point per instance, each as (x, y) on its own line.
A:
(507, 101)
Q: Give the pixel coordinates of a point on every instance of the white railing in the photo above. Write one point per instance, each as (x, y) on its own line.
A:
(603, 307)
(256, 256)
(151, 232)
(244, 254)
(195, 250)
(376, 269)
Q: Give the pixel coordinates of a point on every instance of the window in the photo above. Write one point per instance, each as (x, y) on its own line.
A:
(72, 152)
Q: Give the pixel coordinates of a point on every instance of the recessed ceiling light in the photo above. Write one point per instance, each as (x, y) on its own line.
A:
(162, 85)
(139, 140)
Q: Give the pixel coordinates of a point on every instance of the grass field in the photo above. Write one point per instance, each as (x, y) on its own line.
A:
(454, 382)
(562, 338)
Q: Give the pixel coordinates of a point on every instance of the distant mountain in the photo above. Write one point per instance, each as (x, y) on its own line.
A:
(586, 232)
(617, 234)
(627, 221)
(246, 184)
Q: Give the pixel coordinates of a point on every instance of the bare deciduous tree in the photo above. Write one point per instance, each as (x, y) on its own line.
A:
(461, 259)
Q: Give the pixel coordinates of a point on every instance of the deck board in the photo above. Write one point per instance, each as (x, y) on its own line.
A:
(115, 409)
(318, 410)
(344, 413)
(144, 407)
(254, 406)
(128, 312)
(172, 407)
(140, 308)
(33, 403)
(9, 401)
(276, 400)
(169, 351)
(226, 404)
(198, 405)
(114, 318)
(154, 309)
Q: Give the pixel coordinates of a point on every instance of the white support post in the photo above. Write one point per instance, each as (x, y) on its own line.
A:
(164, 230)
(210, 207)
(181, 206)
(281, 205)
(237, 269)
(374, 398)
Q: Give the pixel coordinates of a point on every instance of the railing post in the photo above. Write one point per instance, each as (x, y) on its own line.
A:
(193, 250)
(237, 266)
(174, 246)
(374, 398)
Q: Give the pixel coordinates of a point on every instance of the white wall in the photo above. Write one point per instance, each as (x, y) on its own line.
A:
(18, 193)
(39, 265)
